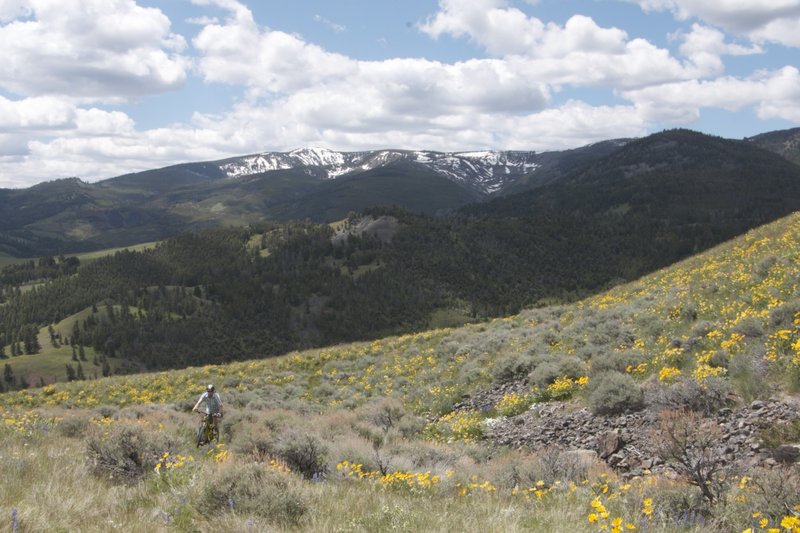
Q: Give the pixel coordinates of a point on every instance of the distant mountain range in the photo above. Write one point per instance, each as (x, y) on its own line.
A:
(321, 185)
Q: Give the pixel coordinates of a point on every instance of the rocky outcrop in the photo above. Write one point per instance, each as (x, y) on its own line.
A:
(625, 442)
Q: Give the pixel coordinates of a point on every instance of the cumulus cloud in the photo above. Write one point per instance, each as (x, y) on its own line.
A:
(761, 20)
(578, 53)
(93, 50)
(704, 46)
(773, 94)
(35, 114)
(239, 52)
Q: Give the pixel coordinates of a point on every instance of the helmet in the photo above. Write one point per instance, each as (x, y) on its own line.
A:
(209, 388)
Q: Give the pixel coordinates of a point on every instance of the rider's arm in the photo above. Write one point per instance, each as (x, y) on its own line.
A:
(198, 403)
(221, 407)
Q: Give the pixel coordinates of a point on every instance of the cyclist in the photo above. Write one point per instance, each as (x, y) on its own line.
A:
(213, 405)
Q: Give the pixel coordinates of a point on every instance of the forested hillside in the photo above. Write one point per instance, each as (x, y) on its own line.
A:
(225, 294)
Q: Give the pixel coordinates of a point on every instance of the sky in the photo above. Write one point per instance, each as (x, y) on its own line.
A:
(98, 88)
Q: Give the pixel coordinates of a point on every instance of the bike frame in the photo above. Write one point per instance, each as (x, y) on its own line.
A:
(207, 431)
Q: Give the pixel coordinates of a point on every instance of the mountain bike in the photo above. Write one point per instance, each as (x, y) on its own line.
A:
(207, 431)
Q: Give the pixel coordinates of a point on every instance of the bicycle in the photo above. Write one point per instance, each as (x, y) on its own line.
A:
(208, 431)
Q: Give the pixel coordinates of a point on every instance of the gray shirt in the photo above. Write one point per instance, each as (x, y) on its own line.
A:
(213, 402)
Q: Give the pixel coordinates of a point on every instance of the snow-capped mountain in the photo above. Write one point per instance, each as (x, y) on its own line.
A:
(482, 172)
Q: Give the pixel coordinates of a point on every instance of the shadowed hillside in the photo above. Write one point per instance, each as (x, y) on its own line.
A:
(784, 142)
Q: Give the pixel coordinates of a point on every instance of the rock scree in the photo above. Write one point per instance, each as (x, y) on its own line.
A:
(624, 441)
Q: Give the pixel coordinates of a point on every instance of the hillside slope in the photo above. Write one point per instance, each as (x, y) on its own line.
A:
(739, 300)
(394, 423)
(783, 142)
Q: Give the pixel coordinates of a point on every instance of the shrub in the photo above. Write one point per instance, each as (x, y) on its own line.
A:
(125, 452)
(686, 393)
(513, 404)
(574, 465)
(702, 328)
(513, 367)
(107, 411)
(750, 327)
(255, 440)
(358, 450)
(687, 442)
(613, 392)
(73, 426)
(615, 362)
(466, 426)
(774, 491)
(782, 315)
(386, 414)
(554, 368)
(254, 489)
(776, 434)
(303, 452)
(514, 469)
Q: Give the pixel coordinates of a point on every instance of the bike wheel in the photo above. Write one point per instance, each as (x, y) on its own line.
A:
(201, 434)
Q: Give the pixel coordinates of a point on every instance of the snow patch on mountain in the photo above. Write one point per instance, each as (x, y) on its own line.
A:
(485, 172)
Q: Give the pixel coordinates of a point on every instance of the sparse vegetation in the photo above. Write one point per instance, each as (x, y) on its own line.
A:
(613, 393)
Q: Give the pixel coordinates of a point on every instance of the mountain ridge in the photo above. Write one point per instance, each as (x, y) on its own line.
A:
(66, 216)
(485, 172)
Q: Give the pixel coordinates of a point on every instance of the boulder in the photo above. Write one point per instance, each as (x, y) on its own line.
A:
(787, 453)
(609, 443)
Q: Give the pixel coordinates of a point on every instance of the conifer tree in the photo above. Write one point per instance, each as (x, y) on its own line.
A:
(8, 375)
(70, 372)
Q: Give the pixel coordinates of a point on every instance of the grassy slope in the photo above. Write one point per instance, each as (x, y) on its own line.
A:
(6, 260)
(49, 363)
(91, 256)
(752, 280)
(740, 301)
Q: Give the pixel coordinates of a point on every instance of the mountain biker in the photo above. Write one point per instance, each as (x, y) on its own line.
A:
(213, 405)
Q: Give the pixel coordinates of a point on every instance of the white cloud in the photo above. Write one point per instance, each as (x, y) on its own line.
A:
(333, 26)
(579, 53)
(11, 9)
(774, 94)
(202, 21)
(92, 50)
(506, 31)
(240, 53)
(761, 20)
(35, 114)
(705, 46)
(574, 124)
